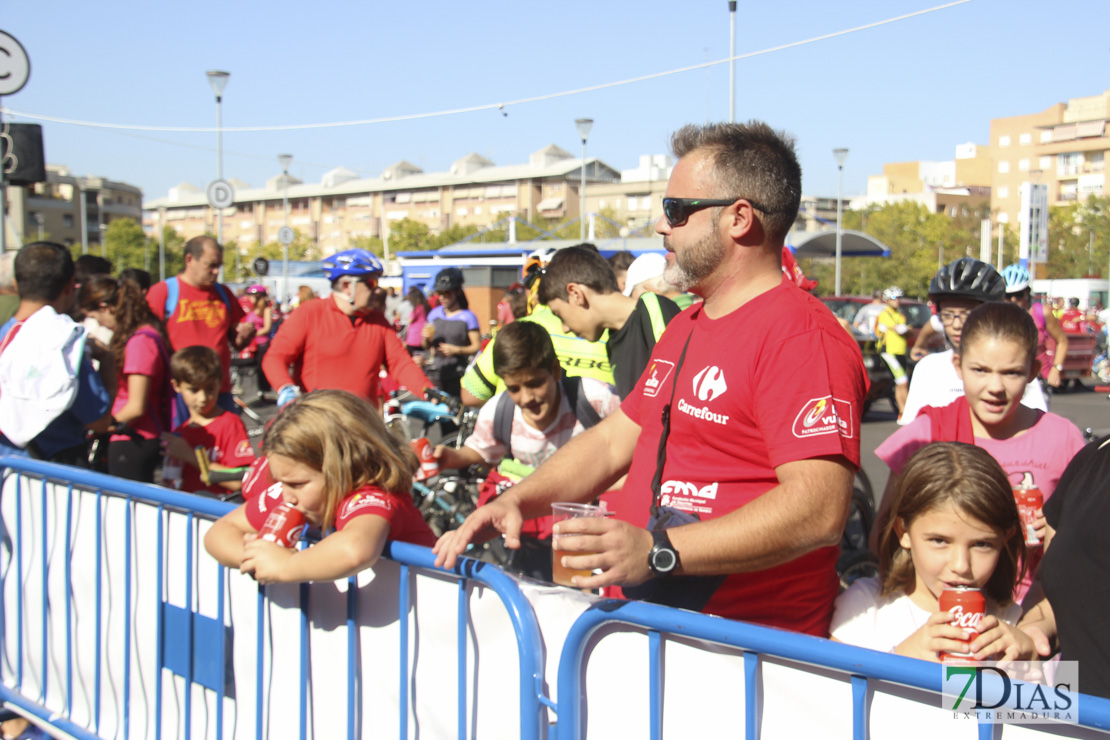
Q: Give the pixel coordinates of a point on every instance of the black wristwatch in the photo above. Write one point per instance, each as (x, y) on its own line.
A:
(663, 558)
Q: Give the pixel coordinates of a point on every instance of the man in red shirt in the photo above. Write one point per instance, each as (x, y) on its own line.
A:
(200, 311)
(741, 438)
(343, 340)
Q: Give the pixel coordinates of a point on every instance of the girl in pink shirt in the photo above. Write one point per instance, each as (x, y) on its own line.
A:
(997, 359)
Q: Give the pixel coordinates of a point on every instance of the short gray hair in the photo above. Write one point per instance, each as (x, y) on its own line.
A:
(753, 161)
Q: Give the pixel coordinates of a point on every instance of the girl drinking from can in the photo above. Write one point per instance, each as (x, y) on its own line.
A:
(953, 524)
(997, 358)
(330, 457)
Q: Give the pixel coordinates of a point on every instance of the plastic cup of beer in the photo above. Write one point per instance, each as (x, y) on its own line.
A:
(560, 512)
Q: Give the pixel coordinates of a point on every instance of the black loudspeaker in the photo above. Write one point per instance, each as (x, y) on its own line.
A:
(24, 163)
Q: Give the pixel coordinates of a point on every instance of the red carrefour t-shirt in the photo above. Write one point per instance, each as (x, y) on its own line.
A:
(200, 318)
(776, 381)
(404, 519)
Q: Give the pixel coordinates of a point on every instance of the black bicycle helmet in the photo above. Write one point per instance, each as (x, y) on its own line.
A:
(449, 278)
(967, 278)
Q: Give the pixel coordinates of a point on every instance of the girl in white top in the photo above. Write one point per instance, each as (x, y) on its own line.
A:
(953, 523)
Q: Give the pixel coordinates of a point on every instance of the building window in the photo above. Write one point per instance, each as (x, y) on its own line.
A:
(1025, 139)
(1003, 167)
(1003, 218)
(67, 220)
(1023, 165)
(1046, 136)
(1044, 162)
(1069, 164)
(1003, 192)
(1004, 141)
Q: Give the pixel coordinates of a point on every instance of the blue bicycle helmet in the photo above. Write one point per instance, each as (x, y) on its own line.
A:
(354, 262)
(1017, 278)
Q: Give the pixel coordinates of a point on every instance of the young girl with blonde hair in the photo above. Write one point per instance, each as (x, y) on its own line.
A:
(328, 454)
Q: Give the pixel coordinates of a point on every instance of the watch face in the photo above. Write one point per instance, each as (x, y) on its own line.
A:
(663, 560)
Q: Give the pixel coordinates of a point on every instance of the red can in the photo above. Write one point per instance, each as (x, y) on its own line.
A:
(283, 526)
(967, 607)
(1029, 499)
(428, 465)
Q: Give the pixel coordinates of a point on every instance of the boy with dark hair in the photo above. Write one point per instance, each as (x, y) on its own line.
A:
(49, 392)
(580, 288)
(197, 372)
(539, 411)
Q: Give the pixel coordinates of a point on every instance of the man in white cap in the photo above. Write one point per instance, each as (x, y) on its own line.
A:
(580, 288)
(645, 274)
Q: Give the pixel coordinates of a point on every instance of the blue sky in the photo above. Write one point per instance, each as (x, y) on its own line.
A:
(904, 91)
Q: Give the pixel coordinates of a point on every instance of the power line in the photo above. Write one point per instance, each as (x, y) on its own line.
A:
(488, 106)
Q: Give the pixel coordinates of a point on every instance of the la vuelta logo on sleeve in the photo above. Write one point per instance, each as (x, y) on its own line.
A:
(825, 415)
(657, 373)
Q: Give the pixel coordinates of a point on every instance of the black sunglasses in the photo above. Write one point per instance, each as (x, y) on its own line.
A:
(677, 210)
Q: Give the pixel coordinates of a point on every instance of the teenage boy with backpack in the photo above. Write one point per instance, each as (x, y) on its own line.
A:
(539, 411)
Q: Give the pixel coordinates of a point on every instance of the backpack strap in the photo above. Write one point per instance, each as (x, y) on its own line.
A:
(583, 411)
(167, 390)
(173, 290)
(655, 313)
(503, 422)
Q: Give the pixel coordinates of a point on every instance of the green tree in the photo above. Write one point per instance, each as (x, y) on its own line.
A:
(1079, 239)
(918, 239)
(408, 235)
(126, 245)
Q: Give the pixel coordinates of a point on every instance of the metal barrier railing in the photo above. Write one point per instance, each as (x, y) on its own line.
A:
(755, 641)
(188, 627)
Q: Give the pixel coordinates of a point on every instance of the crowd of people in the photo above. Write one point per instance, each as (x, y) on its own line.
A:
(706, 397)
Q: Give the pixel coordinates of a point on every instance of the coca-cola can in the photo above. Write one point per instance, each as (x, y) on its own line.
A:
(967, 607)
(428, 465)
(1029, 499)
(283, 526)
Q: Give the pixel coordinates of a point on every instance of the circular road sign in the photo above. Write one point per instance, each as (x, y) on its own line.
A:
(15, 66)
(220, 194)
(285, 236)
(261, 266)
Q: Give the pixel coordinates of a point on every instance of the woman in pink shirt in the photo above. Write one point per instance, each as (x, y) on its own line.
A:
(141, 409)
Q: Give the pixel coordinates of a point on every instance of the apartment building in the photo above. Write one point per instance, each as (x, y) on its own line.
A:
(343, 206)
(1063, 147)
(942, 187)
(68, 209)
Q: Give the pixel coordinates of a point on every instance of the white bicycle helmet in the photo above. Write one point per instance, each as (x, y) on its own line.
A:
(893, 293)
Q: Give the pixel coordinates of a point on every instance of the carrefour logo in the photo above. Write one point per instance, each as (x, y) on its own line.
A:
(709, 383)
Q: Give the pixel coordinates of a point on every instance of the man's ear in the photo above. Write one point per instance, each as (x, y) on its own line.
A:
(577, 295)
(741, 219)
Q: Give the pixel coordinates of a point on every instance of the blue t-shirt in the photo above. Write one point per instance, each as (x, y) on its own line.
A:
(68, 430)
(452, 330)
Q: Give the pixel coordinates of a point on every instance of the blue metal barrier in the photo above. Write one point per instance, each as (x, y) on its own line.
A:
(859, 664)
(189, 628)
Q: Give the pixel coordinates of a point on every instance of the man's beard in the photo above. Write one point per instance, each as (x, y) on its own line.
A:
(696, 262)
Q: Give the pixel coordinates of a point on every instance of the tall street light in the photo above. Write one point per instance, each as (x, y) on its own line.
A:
(584, 125)
(218, 81)
(285, 160)
(840, 154)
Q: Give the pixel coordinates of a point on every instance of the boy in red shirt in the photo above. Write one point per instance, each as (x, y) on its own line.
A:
(197, 372)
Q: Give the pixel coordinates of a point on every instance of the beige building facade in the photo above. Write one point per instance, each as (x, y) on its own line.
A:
(68, 209)
(1063, 147)
(343, 207)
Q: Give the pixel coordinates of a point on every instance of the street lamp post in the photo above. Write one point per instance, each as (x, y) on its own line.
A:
(218, 81)
(584, 125)
(840, 153)
(732, 61)
(285, 160)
